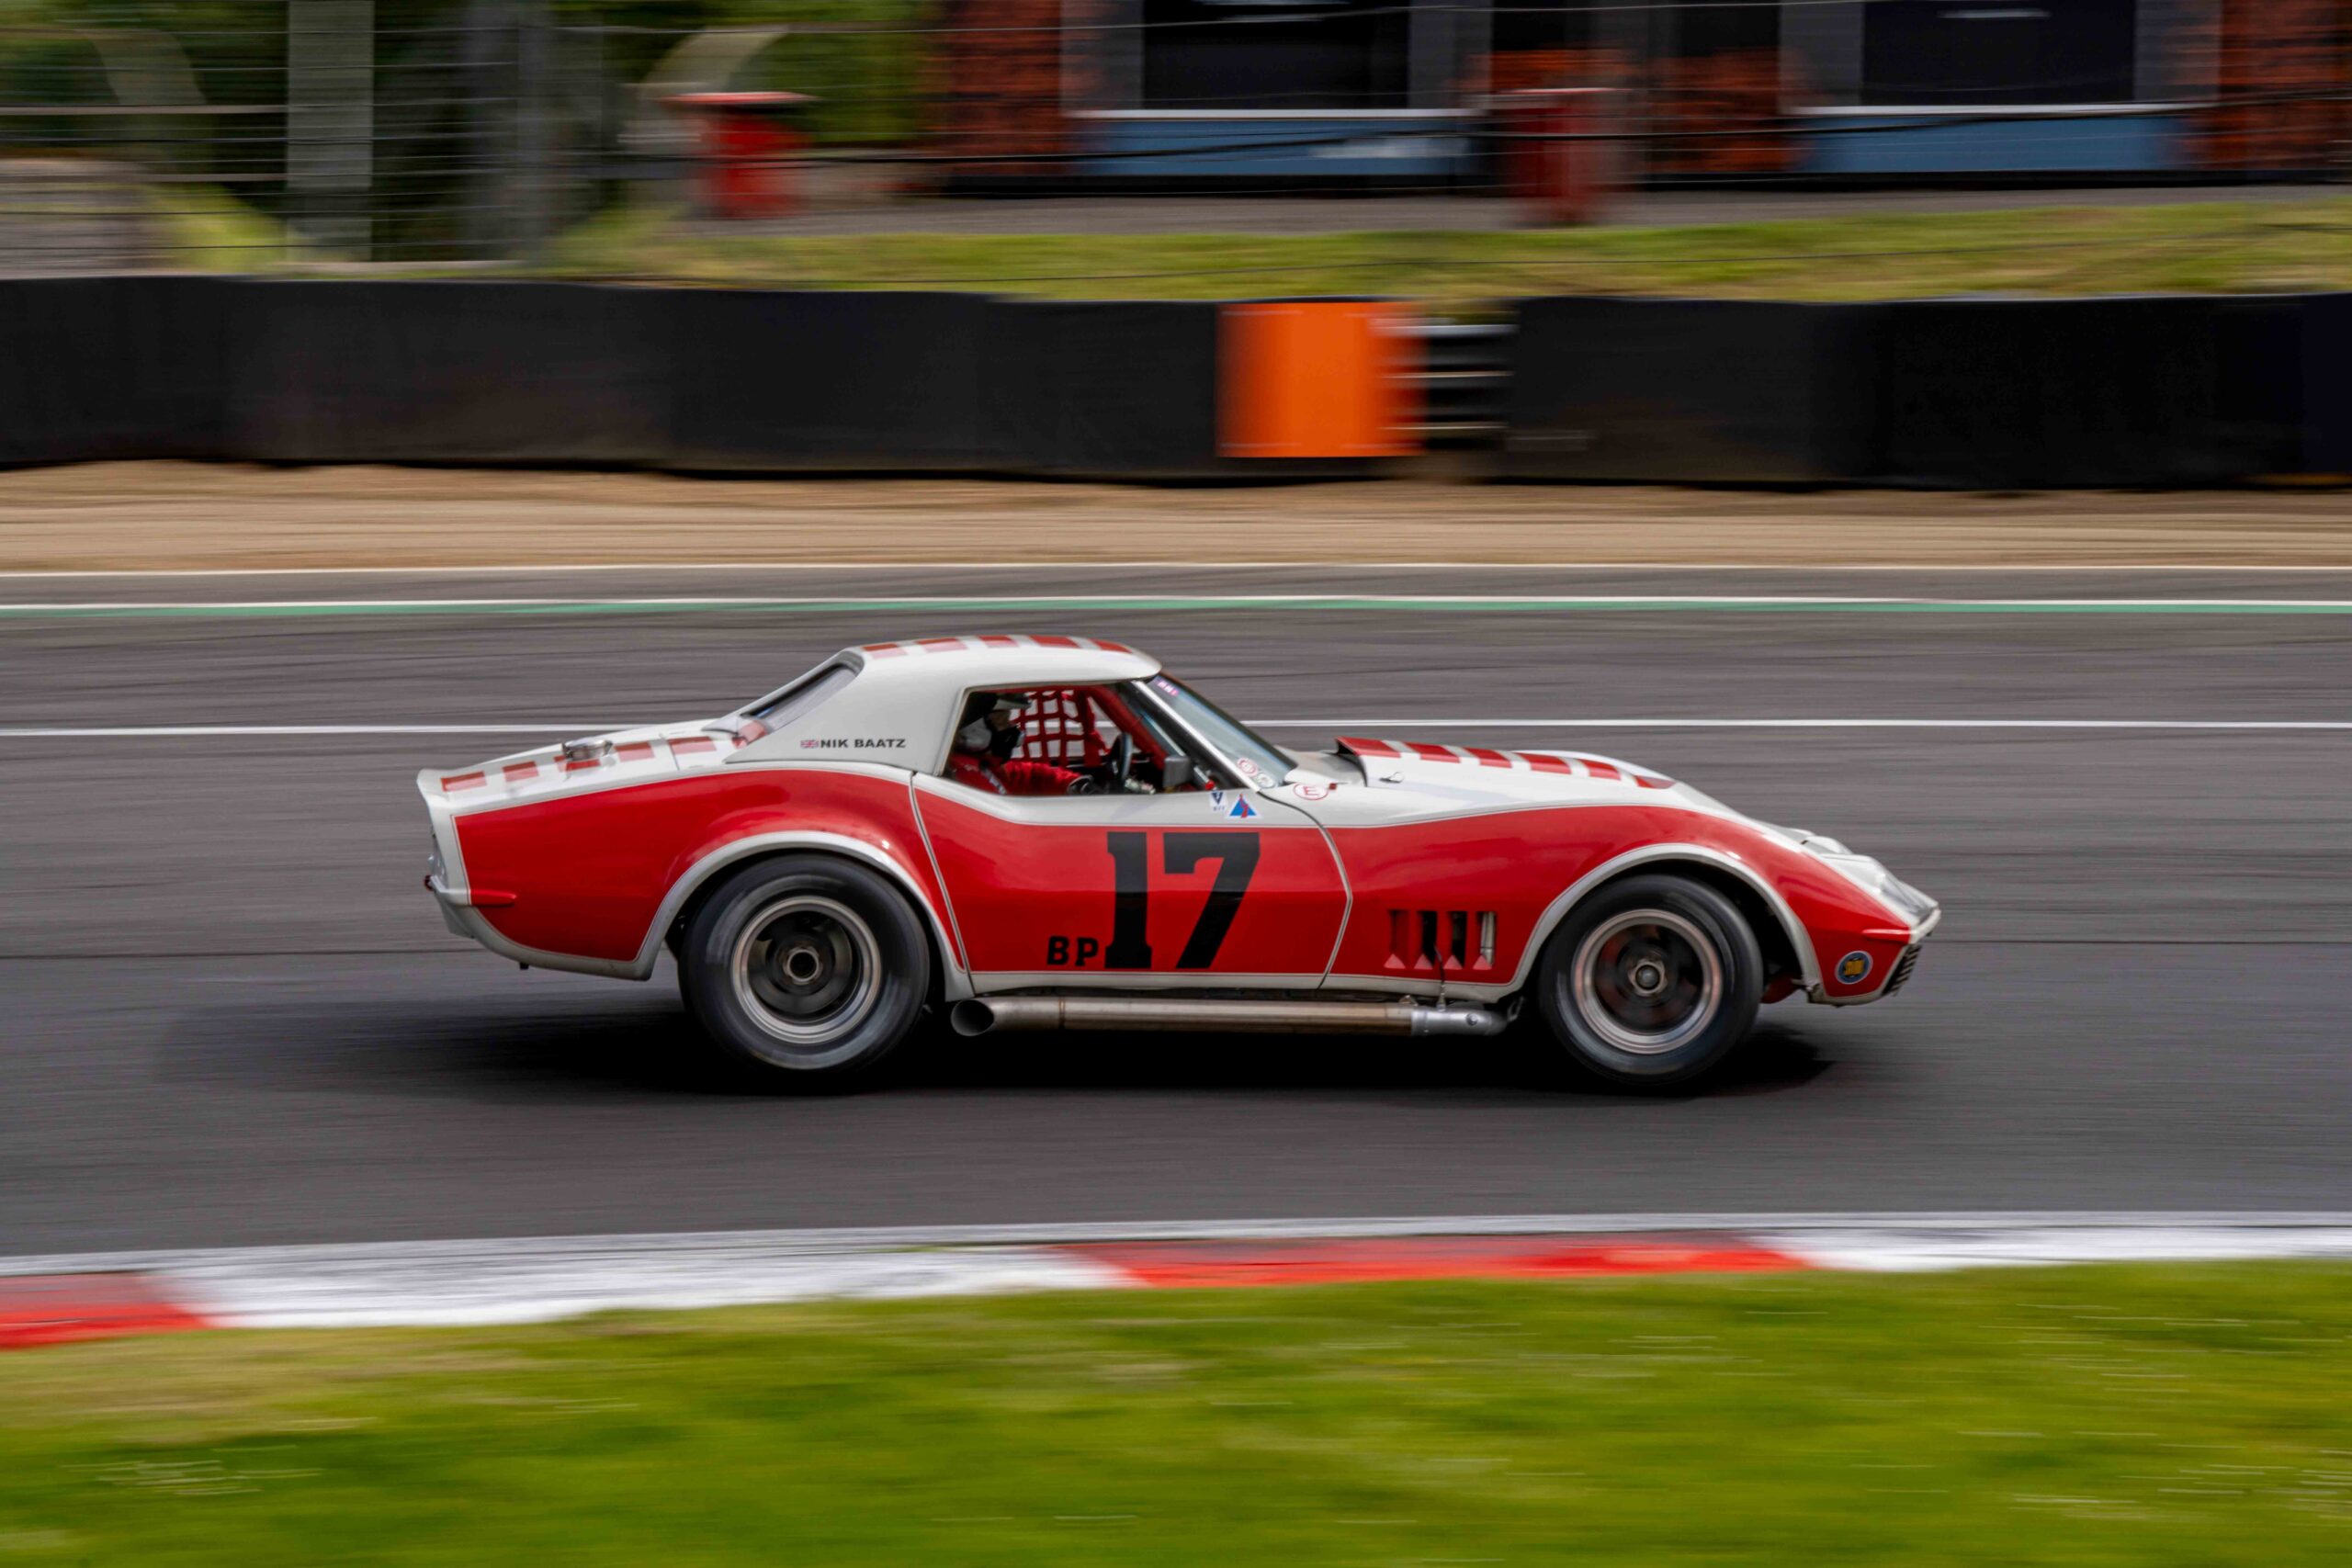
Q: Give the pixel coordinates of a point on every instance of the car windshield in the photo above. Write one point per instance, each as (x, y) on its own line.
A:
(1257, 757)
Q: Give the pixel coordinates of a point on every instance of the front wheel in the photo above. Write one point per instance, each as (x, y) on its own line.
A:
(813, 967)
(1651, 981)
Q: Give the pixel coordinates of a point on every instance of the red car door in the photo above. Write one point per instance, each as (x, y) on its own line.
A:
(1206, 887)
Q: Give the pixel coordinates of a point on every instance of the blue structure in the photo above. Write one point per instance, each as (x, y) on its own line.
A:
(1875, 145)
(1318, 91)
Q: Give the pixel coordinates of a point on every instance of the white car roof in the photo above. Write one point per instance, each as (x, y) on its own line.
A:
(1001, 659)
(903, 696)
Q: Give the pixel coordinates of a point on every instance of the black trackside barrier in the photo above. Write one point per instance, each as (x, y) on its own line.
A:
(448, 372)
(1105, 388)
(1971, 393)
(2326, 384)
(2030, 393)
(2258, 400)
(93, 369)
(1689, 392)
(793, 381)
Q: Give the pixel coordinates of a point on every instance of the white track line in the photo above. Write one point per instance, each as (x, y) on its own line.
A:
(188, 731)
(523, 568)
(1335, 726)
(1367, 599)
(1639, 723)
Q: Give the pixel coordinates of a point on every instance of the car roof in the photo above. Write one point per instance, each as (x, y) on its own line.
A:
(1008, 658)
(898, 706)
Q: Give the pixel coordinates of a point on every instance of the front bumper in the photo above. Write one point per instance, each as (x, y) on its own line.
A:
(1888, 955)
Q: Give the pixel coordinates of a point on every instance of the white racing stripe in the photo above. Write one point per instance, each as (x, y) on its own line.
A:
(1334, 726)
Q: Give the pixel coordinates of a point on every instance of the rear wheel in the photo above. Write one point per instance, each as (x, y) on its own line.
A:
(811, 967)
(1651, 981)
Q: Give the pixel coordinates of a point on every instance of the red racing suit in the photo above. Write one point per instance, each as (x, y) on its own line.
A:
(1011, 777)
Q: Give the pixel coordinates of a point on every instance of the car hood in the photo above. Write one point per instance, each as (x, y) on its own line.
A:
(1464, 771)
(1408, 781)
(1416, 780)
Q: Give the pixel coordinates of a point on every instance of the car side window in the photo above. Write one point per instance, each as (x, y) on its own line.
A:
(1056, 740)
(803, 696)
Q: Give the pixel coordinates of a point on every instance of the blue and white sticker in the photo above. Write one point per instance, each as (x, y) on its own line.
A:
(1854, 968)
(1241, 810)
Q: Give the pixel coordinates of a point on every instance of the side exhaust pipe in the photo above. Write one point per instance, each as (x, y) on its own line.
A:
(986, 1017)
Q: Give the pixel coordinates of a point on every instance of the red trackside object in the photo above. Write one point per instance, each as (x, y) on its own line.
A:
(55, 1308)
(1184, 1265)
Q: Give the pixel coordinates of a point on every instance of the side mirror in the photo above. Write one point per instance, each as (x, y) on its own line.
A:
(1177, 773)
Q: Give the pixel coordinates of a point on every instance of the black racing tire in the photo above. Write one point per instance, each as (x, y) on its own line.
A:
(1651, 981)
(809, 968)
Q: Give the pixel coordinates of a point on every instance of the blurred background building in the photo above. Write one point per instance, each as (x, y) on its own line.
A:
(381, 130)
(1886, 89)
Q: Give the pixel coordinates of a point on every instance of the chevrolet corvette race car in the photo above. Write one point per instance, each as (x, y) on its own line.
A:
(1051, 833)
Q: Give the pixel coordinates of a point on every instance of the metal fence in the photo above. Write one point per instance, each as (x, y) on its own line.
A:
(346, 131)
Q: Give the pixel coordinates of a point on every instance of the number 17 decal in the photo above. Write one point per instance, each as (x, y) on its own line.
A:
(1180, 854)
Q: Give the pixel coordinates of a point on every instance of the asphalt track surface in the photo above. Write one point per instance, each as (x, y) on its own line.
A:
(231, 1016)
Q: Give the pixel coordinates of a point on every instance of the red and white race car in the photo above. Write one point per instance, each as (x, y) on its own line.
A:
(1049, 832)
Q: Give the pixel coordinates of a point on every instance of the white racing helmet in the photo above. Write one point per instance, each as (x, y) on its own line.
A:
(976, 734)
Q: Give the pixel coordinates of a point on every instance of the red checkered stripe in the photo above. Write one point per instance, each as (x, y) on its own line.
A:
(997, 641)
(1562, 763)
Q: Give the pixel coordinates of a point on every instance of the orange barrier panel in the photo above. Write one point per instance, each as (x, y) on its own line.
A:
(1315, 380)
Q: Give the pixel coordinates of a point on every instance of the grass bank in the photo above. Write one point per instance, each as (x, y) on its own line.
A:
(2185, 248)
(2144, 1416)
(204, 229)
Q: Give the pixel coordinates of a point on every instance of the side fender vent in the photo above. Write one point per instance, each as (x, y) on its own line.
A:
(1441, 942)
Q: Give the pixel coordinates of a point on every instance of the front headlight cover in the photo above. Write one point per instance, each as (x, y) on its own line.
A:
(1892, 890)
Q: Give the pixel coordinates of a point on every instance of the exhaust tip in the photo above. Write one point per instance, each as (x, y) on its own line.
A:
(971, 1018)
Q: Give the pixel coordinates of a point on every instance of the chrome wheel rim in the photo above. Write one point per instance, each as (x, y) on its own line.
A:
(1648, 981)
(808, 971)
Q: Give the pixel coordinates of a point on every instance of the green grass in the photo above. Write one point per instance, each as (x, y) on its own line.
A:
(2140, 1416)
(205, 229)
(2187, 247)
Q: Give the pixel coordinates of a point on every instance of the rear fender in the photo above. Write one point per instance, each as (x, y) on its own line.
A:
(735, 852)
(457, 898)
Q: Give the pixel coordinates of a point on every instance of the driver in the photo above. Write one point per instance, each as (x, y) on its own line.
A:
(986, 738)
